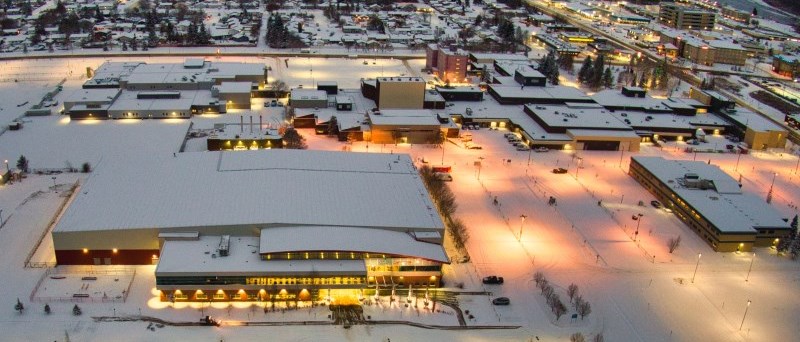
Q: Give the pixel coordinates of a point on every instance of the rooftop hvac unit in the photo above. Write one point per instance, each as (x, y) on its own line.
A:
(224, 245)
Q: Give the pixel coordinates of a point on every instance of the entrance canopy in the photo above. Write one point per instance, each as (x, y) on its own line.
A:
(348, 239)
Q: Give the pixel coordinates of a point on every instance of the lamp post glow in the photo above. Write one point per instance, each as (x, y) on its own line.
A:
(751, 267)
(745, 314)
(696, 266)
(7, 169)
(769, 194)
(638, 222)
(522, 217)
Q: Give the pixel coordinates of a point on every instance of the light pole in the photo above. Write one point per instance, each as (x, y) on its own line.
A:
(638, 222)
(578, 167)
(522, 217)
(797, 165)
(736, 168)
(1, 217)
(748, 270)
(7, 169)
(54, 184)
(745, 314)
(769, 194)
(531, 150)
(696, 266)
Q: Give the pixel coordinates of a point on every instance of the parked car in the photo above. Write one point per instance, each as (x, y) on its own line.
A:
(501, 301)
(472, 146)
(523, 148)
(655, 204)
(560, 170)
(542, 149)
(445, 177)
(493, 280)
(510, 135)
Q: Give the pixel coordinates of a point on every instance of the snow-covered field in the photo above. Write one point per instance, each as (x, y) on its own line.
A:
(634, 297)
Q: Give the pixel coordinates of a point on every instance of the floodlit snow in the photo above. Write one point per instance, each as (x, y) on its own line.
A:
(638, 291)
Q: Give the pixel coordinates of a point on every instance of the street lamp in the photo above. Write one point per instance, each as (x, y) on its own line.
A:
(522, 217)
(745, 314)
(696, 266)
(736, 168)
(578, 167)
(54, 184)
(748, 270)
(769, 194)
(638, 222)
(7, 169)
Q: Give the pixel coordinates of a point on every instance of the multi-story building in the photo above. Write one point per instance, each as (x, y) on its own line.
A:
(711, 203)
(735, 14)
(400, 92)
(786, 65)
(448, 64)
(685, 18)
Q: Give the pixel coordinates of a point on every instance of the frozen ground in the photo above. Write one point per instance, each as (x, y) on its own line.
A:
(634, 296)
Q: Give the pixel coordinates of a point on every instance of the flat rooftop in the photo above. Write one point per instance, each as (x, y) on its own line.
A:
(726, 206)
(199, 257)
(259, 188)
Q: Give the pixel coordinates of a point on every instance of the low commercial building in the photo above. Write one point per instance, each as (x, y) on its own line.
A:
(402, 126)
(711, 203)
(235, 95)
(590, 126)
(300, 225)
(308, 98)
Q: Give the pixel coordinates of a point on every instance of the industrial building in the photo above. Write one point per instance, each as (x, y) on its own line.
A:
(711, 203)
(165, 90)
(253, 225)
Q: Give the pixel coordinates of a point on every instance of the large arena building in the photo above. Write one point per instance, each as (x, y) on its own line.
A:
(251, 225)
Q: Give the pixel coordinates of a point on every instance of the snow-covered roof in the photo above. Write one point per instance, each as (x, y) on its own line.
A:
(200, 257)
(349, 239)
(235, 87)
(255, 189)
(404, 117)
(725, 206)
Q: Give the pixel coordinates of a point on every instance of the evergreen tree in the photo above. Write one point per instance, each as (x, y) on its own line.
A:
(333, 126)
(98, 14)
(293, 140)
(76, 310)
(584, 75)
(596, 77)
(47, 309)
(19, 307)
(785, 244)
(608, 78)
(553, 77)
(22, 164)
(633, 80)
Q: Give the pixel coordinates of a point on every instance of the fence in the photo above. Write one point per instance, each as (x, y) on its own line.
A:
(100, 270)
(50, 226)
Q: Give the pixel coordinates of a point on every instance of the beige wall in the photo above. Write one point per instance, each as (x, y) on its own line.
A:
(401, 95)
(765, 139)
(730, 56)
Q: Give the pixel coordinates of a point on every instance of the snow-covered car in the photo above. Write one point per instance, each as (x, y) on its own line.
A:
(501, 301)
(493, 280)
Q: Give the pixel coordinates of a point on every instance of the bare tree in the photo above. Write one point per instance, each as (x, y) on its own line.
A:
(572, 290)
(559, 309)
(674, 243)
(538, 277)
(578, 299)
(584, 309)
(599, 338)
(543, 284)
(458, 230)
(577, 337)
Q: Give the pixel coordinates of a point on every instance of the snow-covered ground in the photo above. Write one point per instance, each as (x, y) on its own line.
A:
(638, 291)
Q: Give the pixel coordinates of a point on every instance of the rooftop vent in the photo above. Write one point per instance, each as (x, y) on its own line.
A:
(224, 245)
